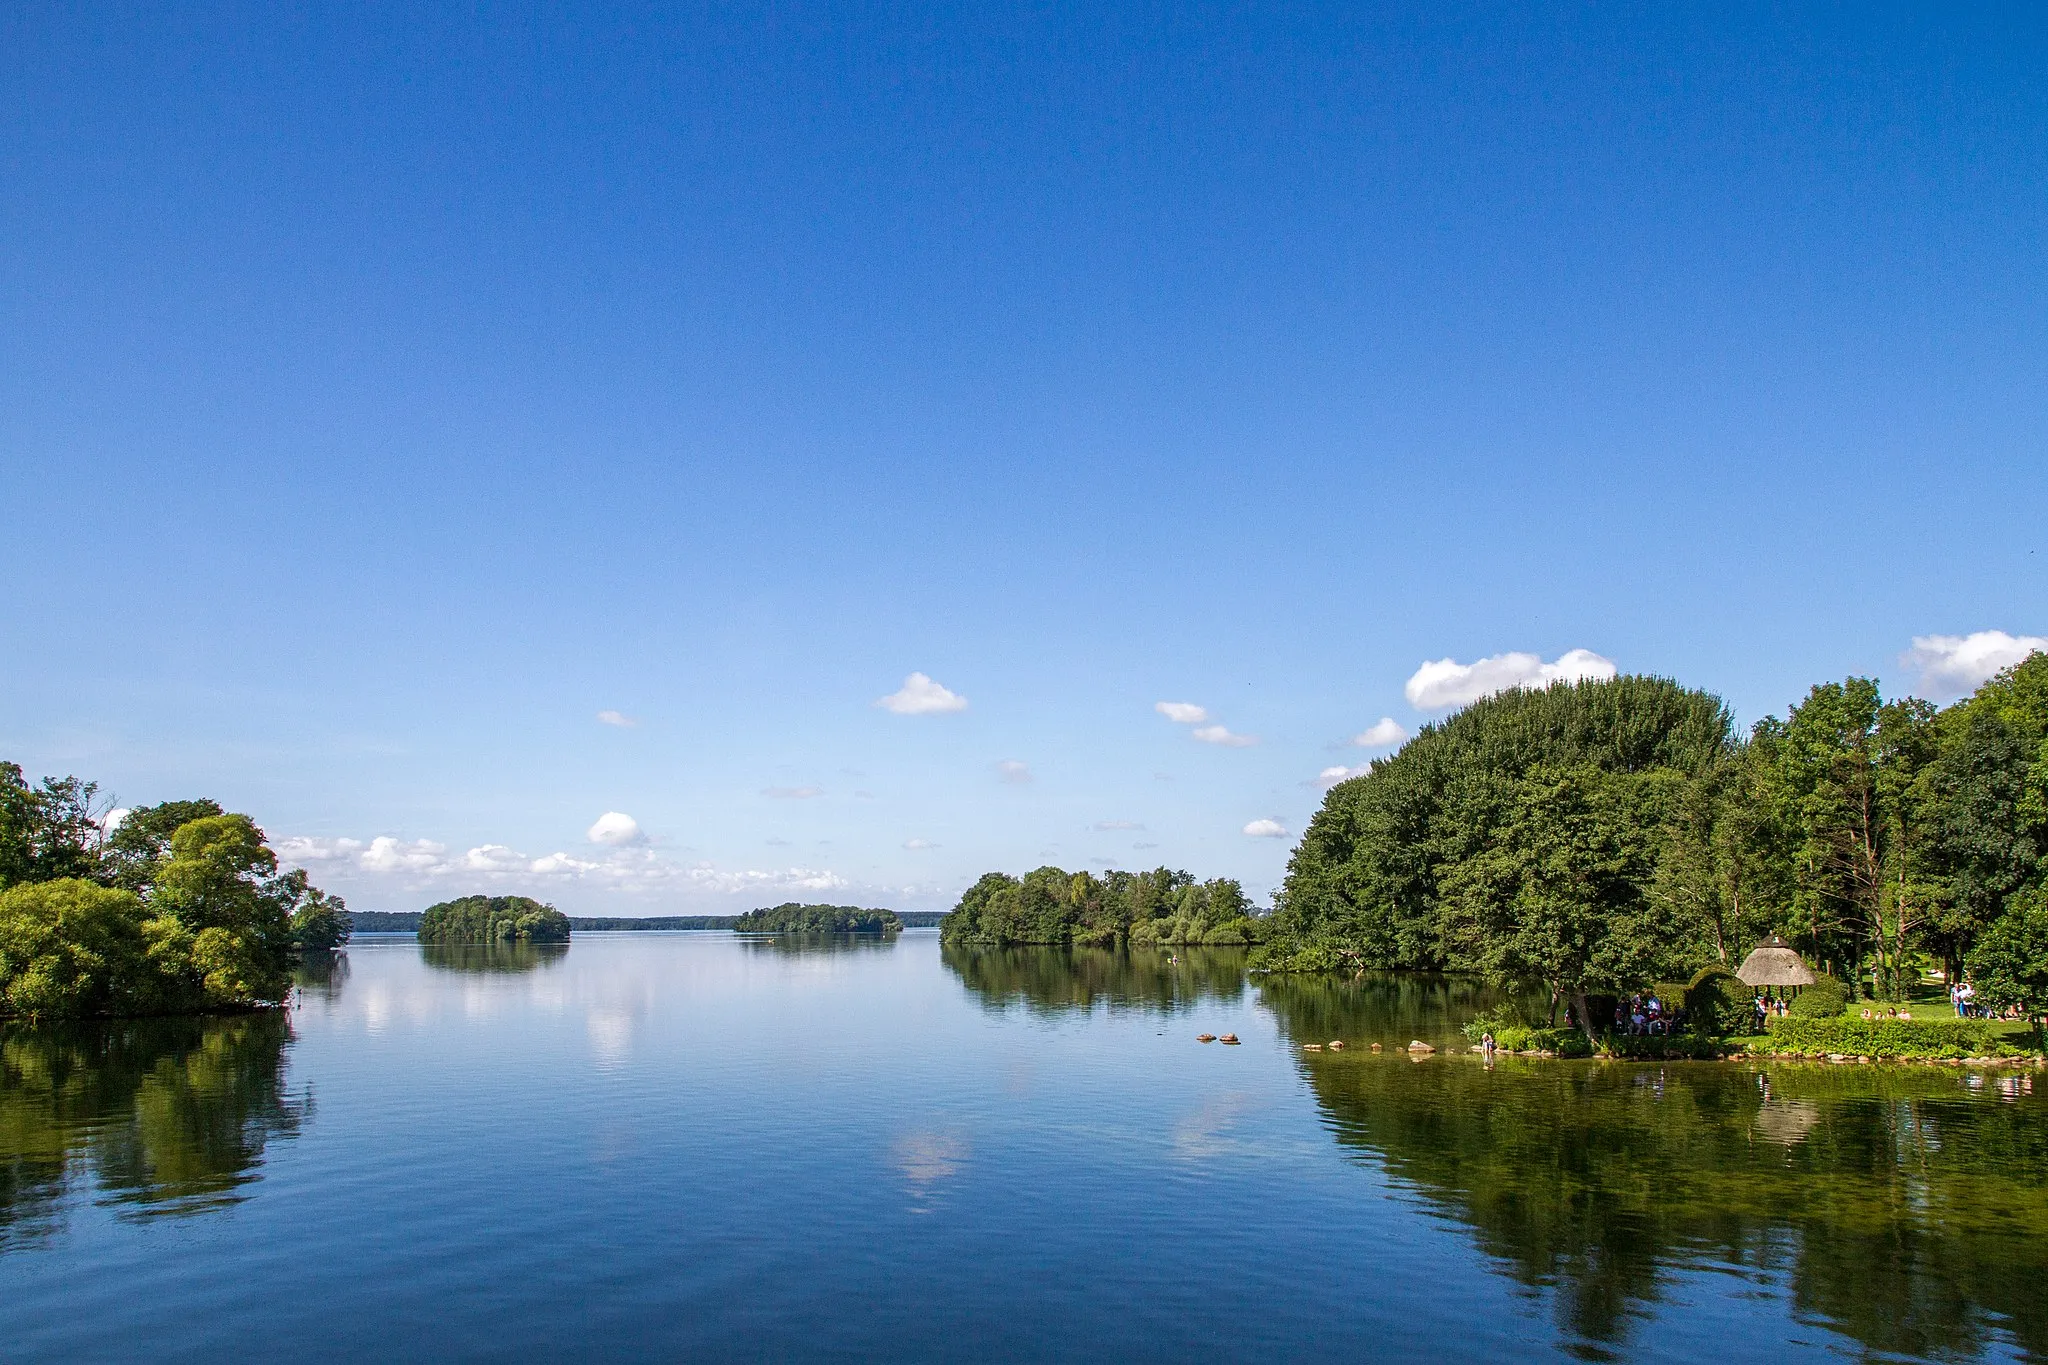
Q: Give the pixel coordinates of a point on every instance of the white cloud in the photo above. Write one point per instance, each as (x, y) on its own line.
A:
(1446, 682)
(613, 868)
(1181, 712)
(706, 877)
(1014, 771)
(1330, 777)
(386, 854)
(111, 821)
(616, 828)
(920, 696)
(1117, 824)
(1216, 734)
(300, 851)
(493, 858)
(1266, 829)
(1951, 665)
(560, 865)
(1383, 733)
(618, 718)
(915, 844)
(792, 793)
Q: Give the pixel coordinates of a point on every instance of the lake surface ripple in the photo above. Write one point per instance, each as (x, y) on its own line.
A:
(696, 1145)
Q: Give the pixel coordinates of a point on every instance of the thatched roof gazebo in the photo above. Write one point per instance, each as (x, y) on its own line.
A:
(1774, 963)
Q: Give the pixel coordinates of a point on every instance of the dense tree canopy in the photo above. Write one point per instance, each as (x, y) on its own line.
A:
(140, 844)
(493, 919)
(1052, 905)
(1597, 836)
(792, 918)
(180, 908)
(47, 832)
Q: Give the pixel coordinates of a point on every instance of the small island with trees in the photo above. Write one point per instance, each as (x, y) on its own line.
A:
(493, 919)
(792, 918)
(1052, 905)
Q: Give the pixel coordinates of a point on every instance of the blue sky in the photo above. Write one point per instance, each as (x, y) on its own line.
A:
(384, 397)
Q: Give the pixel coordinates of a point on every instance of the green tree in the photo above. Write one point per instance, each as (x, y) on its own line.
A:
(47, 832)
(1560, 894)
(2009, 965)
(1365, 886)
(72, 948)
(1848, 770)
(320, 923)
(217, 885)
(140, 844)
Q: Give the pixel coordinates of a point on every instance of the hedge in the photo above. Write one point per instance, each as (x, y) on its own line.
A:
(1887, 1037)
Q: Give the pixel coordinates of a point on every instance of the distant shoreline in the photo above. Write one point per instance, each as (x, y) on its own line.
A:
(408, 921)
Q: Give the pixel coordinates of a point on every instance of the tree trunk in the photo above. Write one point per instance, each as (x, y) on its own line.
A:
(1585, 1016)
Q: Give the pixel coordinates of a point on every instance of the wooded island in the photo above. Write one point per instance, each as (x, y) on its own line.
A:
(792, 918)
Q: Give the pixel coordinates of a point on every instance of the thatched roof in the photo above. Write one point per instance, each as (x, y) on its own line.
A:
(1774, 964)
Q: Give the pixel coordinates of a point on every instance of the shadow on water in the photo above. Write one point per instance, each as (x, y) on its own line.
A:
(162, 1116)
(1055, 981)
(804, 945)
(492, 957)
(1905, 1206)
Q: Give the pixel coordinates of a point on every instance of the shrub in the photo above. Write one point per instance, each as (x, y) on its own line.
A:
(1312, 957)
(69, 948)
(1510, 1034)
(1887, 1037)
(72, 949)
(1824, 999)
(1717, 1003)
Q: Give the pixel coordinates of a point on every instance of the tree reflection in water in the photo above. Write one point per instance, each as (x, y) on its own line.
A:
(162, 1116)
(322, 975)
(805, 945)
(492, 957)
(1902, 1208)
(1054, 981)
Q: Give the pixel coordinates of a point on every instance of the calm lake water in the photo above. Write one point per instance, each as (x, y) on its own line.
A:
(695, 1146)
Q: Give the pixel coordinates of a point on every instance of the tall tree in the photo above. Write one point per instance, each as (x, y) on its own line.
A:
(1561, 893)
(139, 845)
(47, 832)
(220, 887)
(1848, 764)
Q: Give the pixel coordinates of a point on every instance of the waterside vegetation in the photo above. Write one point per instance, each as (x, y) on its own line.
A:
(1595, 838)
(180, 908)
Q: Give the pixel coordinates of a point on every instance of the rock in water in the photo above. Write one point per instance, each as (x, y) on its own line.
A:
(1228, 1038)
(1337, 1045)
(1205, 1037)
(1419, 1046)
